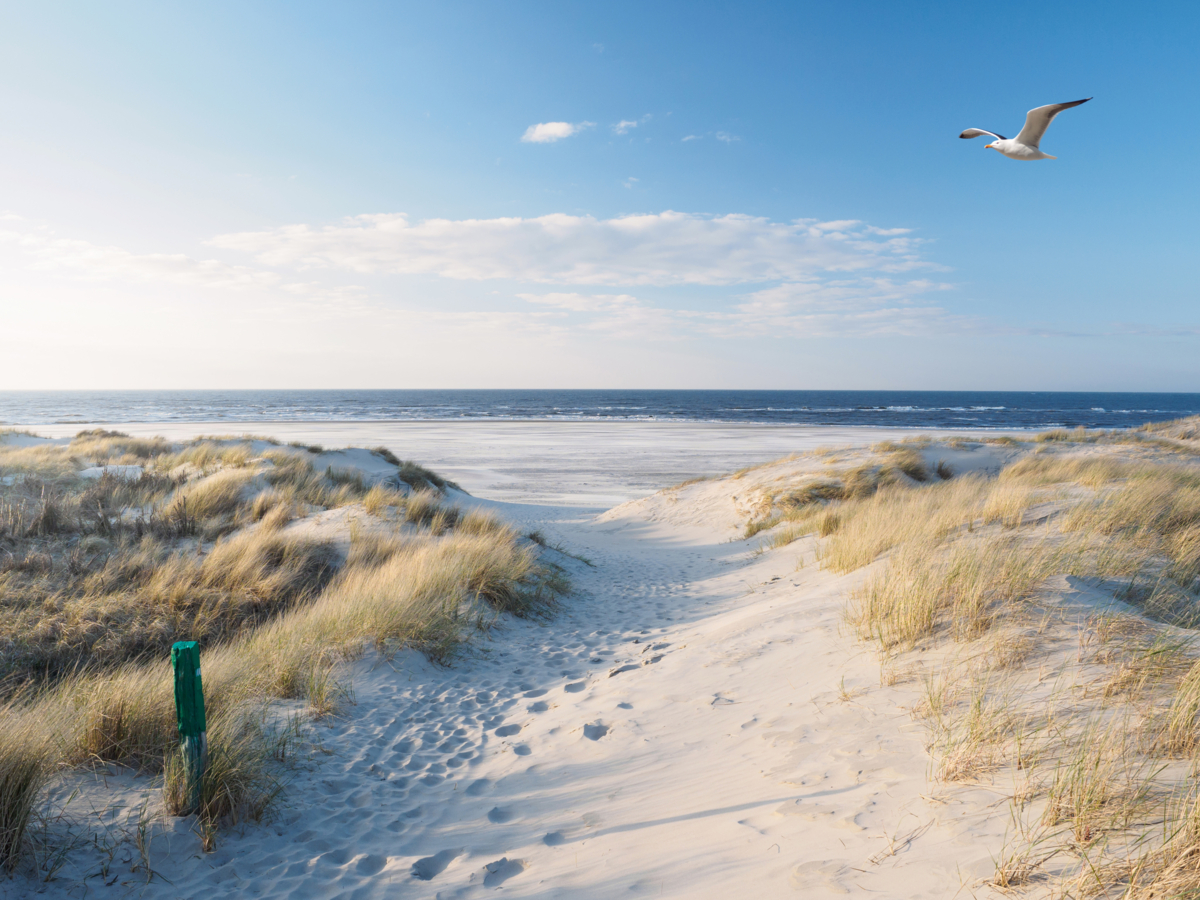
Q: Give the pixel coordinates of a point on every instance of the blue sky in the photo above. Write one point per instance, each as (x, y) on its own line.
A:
(738, 195)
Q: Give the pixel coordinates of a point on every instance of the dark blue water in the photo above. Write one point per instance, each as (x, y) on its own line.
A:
(896, 409)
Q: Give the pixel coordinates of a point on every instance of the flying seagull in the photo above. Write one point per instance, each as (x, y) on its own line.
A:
(1025, 144)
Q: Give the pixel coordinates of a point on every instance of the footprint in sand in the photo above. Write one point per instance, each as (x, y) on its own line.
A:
(479, 786)
(430, 867)
(507, 730)
(828, 875)
(540, 707)
(576, 687)
(554, 839)
(501, 870)
(595, 731)
(500, 814)
(370, 864)
(522, 750)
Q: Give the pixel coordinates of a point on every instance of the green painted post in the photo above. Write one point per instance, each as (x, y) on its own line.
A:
(189, 711)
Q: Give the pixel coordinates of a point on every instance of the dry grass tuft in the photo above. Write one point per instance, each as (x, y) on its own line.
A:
(1096, 789)
(100, 576)
(215, 497)
(27, 760)
(963, 590)
(380, 498)
(238, 784)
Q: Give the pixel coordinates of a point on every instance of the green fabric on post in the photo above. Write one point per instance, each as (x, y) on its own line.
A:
(189, 691)
(189, 711)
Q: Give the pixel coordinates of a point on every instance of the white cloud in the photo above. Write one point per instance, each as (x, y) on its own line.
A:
(650, 249)
(549, 132)
(727, 137)
(624, 125)
(857, 307)
(690, 137)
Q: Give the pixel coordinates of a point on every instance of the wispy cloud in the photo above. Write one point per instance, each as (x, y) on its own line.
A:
(624, 126)
(690, 137)
(48, 252)
(651, 249)
(584, 302)
(549, 132)
(727, 137)
(851, 307)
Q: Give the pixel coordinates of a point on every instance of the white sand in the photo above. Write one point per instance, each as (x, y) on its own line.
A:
(693, 724)
(580, 464)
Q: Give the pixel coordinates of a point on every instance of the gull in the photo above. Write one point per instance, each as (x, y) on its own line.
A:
(1025, 145)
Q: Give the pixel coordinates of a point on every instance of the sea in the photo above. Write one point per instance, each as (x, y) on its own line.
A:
(974, 410)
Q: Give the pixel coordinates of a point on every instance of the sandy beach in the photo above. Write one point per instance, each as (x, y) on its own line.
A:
(695, 722)
(704, 714)
(590, 465)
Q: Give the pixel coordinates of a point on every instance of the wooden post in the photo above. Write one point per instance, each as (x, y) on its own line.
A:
(189, 710)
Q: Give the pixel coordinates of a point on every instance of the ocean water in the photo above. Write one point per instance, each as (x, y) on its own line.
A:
(972, 410)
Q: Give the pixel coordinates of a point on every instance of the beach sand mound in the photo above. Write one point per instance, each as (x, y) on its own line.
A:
(699, 720)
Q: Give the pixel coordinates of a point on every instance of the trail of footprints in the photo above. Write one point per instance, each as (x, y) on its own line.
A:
(412, 774)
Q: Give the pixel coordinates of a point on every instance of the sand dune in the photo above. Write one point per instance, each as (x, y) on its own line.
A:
(694, 723)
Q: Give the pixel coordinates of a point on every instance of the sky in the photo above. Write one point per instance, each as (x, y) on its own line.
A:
(597, 195)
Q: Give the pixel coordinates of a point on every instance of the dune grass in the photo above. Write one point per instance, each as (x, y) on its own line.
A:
(100, 576)
(27, 756)
(1103, 737)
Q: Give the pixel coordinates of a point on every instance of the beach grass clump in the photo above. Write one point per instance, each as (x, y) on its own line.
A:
(1007, 503)
(910, 462)
(962, 590)
(424, 507)
(380, 498)
(869, 526)
(1099, 786)
(418, 477)
(294, 477)
(28, 758)
(137, 599)
(207, 455)
(239, 782)
(386, 455)
(1092, 471)
(213, 498)
(100, 447)
(1185, 429)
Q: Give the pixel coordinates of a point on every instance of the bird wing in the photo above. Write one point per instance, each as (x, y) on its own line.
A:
(977, 132)
(1038, 120)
